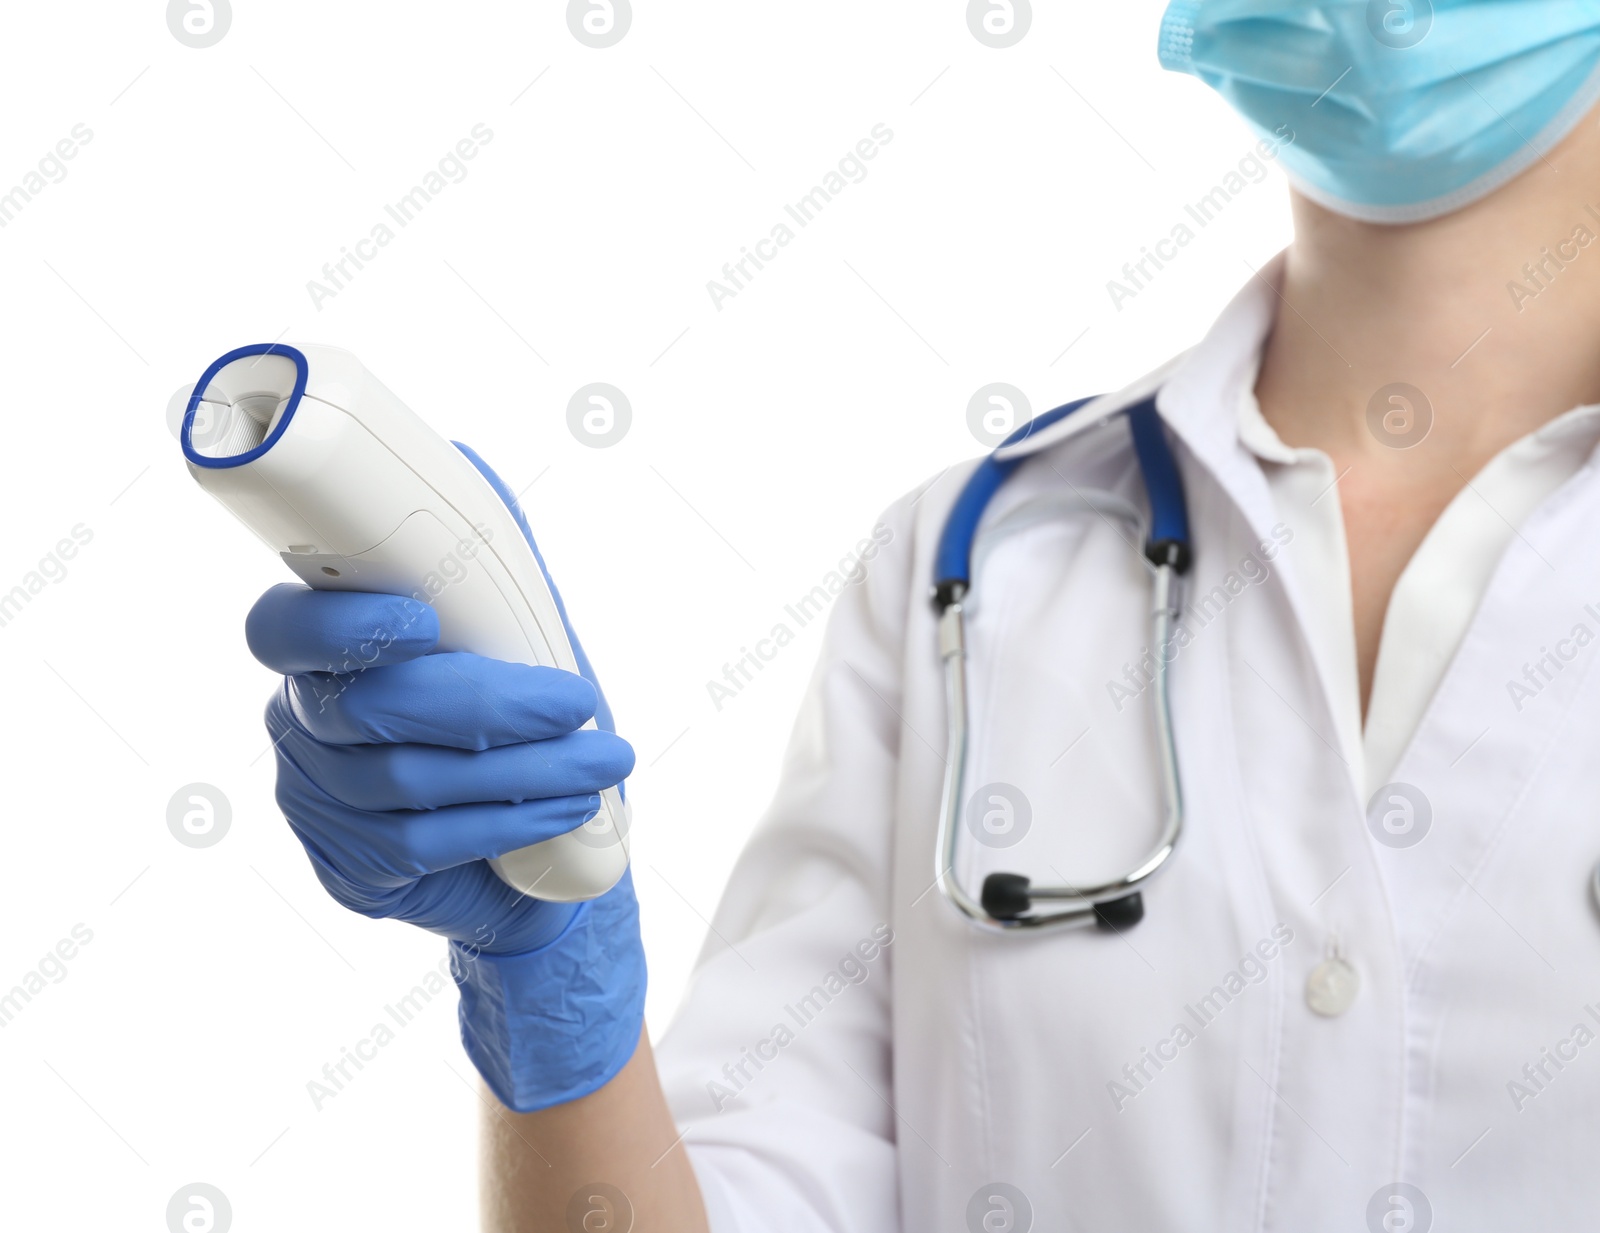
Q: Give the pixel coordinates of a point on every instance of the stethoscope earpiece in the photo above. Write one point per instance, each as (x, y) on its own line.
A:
(1006, 896)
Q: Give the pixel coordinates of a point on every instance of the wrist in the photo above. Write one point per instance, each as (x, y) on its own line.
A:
(546, 1026)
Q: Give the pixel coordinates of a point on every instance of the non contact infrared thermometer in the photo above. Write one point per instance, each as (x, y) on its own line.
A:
(356, 493)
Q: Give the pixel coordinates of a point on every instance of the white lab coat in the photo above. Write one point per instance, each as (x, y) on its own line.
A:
(1172, 1077)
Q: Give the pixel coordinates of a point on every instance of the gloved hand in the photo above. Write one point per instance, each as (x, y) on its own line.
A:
(402, 772)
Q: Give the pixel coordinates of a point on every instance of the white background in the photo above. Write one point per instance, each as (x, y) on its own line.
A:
(766, 438)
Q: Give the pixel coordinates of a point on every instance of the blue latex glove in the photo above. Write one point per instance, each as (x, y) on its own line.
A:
(402, 772)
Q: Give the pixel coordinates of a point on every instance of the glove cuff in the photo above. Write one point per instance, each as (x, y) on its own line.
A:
(553, 1024)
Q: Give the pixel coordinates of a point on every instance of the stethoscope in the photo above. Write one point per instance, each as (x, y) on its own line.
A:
(1008, 900)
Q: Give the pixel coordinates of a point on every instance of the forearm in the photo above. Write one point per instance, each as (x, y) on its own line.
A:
(611, 1151)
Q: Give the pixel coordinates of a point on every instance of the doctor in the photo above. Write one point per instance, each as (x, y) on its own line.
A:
(1365, 993)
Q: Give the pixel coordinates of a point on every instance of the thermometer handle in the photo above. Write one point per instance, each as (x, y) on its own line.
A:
(356, 493)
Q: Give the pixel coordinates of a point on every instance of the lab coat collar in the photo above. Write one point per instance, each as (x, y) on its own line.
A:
(1197, 396)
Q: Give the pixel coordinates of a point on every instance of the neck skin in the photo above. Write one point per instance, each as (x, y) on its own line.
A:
(1363, 306)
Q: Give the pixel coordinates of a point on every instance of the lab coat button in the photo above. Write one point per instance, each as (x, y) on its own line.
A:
(1332, 987)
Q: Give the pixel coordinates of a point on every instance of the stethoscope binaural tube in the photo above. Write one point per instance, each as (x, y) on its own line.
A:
(1008, 900)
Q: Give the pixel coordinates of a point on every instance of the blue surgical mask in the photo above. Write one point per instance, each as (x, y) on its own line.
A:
(1396, 110)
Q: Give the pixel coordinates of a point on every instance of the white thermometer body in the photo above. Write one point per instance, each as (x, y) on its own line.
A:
(356, 493)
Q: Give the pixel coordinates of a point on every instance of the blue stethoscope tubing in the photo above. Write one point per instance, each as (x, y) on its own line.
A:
(1008, 901)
